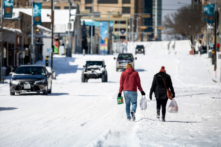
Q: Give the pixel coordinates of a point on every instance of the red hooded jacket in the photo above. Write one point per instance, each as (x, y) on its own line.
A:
(129, 81)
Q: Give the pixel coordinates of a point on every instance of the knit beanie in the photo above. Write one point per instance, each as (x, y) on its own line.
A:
(162, 69)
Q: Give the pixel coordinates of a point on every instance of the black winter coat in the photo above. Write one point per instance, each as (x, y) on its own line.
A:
(158, 86)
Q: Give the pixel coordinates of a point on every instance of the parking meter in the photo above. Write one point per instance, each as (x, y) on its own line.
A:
(47, 61)
(218, 66)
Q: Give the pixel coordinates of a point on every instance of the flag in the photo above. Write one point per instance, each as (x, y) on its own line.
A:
(211, 13)
(8, 7)
(206, 13)
(37, 13)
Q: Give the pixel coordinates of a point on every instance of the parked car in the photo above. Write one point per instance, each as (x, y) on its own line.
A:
(94, 70)
(31, 78)
(123, 59)
(53, 73)
(140, 49)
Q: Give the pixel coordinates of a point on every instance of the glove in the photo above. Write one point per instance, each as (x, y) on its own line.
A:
(142, 92)
(173, 96)
(119, 95)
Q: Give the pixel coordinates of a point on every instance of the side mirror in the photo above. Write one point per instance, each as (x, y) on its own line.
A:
(135, 58)
(114, 58)
(11, 73)
(104, 66)
(84, 66)
(53, 74)
(49, 74)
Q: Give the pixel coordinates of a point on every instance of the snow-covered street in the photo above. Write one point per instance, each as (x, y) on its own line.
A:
(86, 114)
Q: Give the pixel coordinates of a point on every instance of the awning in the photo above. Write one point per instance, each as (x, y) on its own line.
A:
(39, 36)
(44, 28)
(39, 43)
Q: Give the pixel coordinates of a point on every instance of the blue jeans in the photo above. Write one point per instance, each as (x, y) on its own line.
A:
(130, 97)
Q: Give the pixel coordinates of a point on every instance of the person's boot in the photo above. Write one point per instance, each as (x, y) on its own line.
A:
(133, 115)
(158, 114)
(163, 119)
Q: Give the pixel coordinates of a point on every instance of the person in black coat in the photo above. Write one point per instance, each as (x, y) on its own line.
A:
(159, 89)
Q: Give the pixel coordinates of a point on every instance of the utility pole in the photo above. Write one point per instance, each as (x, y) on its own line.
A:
(32, 33)
(92, 11)
(1, 52)
(68, 52)
(215, 27)
(52, 32)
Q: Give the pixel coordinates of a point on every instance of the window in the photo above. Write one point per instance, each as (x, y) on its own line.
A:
(120, 22)
(90, 8)
(57, 7)
(126, 1)
(107, 2)
(94, 63)
(31, 70)
(88, 1)
(67, 7)
(122, 37)
(125, 56)
(125, 10)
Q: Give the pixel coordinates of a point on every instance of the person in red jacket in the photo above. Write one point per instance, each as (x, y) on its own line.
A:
(129, 81)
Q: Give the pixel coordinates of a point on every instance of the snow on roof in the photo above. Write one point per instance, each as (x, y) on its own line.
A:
(43, 28)
(12, 30)
(61, 17)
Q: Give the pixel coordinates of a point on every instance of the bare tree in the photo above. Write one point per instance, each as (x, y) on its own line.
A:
(187, 21)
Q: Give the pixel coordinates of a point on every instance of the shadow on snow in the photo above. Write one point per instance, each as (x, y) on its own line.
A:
(7, 108)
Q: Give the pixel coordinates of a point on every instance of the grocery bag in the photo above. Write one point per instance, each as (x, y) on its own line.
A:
(120, 100)
(143, 103)
(173, 107)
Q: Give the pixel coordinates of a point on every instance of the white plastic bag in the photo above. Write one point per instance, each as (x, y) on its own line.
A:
(143, 103)
(173, 107)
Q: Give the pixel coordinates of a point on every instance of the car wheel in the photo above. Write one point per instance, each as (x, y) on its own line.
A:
(106, 78)
(103, 78)
(12, 93)
(49, 91)
(46, 91)
(86, 80)
(82, 78)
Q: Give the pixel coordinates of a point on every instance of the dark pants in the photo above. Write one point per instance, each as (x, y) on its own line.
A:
(161, 103)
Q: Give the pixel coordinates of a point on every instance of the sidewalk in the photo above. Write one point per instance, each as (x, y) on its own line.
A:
(214, 75)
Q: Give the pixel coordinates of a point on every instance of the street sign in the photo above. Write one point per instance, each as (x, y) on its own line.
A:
(143, 28)
(49, 50)
(122, 32)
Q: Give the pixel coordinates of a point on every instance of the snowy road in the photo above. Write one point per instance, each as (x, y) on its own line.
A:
(86, 114)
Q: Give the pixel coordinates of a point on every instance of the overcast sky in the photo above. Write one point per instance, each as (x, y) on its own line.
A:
(172, 4)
